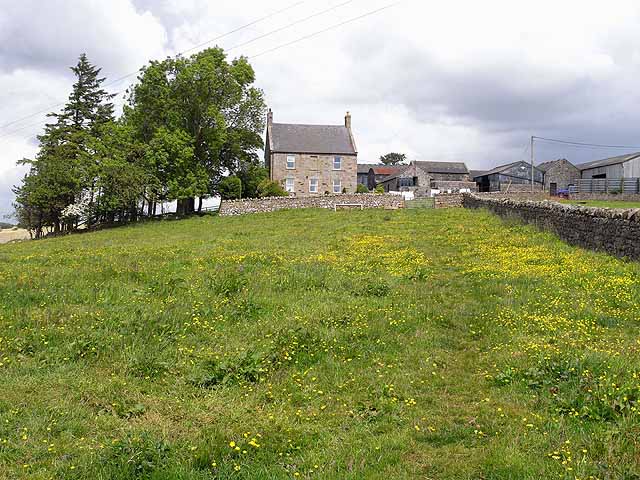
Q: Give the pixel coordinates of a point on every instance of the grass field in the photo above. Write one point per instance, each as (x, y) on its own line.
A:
(436, 344)
(603, 203)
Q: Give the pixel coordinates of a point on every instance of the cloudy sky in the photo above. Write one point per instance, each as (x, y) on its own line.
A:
(457, 80)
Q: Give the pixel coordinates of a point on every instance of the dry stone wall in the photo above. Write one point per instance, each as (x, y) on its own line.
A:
(625, 197)
(258, 205)
(448, 200)
(614, 231)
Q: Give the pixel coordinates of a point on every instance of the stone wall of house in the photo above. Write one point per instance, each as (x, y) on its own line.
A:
(561, 172)
(614, 231)
(258, 205)
(448, 200)
(625, 197)
(309, 166)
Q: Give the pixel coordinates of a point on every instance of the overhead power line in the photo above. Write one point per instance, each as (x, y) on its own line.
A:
(332, 27)
(582, 144)
(124, 77)
(319, 32)
(277, 30)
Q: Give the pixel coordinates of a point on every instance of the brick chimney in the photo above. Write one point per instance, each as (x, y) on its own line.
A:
(347, 120)
(269, 117)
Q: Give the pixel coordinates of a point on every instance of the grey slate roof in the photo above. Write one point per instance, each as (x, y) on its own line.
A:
(321, 139)
(443, 167)
(365, 167)
(544, 166)
(605, 162)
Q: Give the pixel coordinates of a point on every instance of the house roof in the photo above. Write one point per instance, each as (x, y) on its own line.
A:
(321, 139)
(443, 167)
(365, 167)
(605, 162)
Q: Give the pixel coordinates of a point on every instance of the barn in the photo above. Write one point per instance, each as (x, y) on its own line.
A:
(623, 166)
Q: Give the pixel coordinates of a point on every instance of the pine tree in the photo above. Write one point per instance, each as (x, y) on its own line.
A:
(65, 169)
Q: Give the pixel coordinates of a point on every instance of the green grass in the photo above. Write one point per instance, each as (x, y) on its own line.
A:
(439, 344)
(603, 203)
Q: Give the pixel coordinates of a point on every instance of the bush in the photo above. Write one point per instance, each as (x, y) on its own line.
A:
(379, 189)
(230, 188)
(344, 190)
(268, 188)
(362, 188)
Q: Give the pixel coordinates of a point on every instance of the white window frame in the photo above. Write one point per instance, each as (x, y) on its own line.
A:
(291, 189)
(316, 184)
(339, 160)
(339, 184)
(292, 159)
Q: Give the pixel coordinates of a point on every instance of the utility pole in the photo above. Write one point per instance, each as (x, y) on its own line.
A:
(532, 186)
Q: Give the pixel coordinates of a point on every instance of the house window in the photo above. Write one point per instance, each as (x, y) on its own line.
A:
(337, 163)
(291, 162)
(337, 186)
(313, 185)
(290, 185)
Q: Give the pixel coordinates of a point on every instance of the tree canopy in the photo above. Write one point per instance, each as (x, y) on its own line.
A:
(393, 158)
(187, 124)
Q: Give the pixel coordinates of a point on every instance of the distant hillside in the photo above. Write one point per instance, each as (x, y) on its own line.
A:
(6, 225)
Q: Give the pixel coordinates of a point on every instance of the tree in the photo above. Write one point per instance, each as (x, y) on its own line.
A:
(204, 102)
(64, 171)
(251, 175)
(230, 188)
(393, 158)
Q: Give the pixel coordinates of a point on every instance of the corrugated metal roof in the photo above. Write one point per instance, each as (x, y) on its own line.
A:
(322, 139)
(476, 173)
(502, 168)
(605, 162)
(387, 169)
(443, 167)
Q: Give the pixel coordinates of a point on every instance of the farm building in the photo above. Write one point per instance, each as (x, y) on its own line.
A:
(623, 166)
(422, 178)
(363, 172)
(559, 174)
(379, 172)
(514, 176)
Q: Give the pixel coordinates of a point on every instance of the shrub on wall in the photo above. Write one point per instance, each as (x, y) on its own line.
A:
(379, 189)
(268, 188)
(362, 188)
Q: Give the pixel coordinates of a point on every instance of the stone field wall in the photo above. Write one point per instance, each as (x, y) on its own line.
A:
(258, 205)
(614, 231)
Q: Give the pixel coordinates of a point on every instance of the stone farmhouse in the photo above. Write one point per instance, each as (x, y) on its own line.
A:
(310, 160)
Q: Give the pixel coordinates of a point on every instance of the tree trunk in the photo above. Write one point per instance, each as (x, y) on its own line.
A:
(199, 204)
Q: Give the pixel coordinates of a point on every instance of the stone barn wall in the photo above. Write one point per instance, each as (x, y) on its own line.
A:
(614, 231)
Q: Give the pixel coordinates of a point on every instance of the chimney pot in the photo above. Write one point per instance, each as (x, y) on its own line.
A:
(269, 117)
(347, 120)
